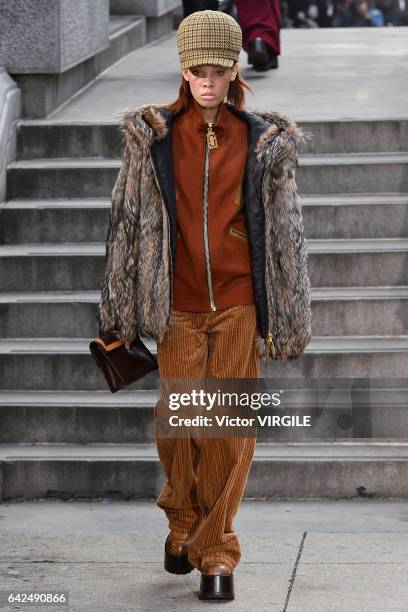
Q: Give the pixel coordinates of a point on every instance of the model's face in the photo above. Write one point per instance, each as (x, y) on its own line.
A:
(209, 84)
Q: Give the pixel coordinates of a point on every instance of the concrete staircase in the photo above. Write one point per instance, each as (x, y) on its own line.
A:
(62, 433)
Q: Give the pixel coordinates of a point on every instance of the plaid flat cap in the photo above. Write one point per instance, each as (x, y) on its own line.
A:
(209, 37)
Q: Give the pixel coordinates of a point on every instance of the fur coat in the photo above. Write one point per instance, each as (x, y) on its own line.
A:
(136, 295)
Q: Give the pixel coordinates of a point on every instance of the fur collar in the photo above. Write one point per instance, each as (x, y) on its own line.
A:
(278, 135)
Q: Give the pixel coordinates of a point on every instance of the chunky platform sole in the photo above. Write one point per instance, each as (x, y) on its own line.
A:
(216, 586)
(176, 564)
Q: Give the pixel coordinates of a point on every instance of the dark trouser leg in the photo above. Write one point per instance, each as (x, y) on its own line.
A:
(260, 18)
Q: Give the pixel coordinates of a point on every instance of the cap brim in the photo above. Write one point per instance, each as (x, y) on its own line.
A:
(214, 61)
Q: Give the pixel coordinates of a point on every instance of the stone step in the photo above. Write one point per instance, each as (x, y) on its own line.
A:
(317, 174)
(86, 220)
(353, 173)
(62, 178)
(148, 8)
(61, 220)
(365, 215)
(61, 363)
(359, 311)
(377, 410)
(360, 263)
(79, 266)
(336, 311)
(356, 136)
(40, 138)
(45, 138)
(332, 470)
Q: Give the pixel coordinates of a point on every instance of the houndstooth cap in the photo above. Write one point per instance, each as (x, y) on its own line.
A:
(209, 37)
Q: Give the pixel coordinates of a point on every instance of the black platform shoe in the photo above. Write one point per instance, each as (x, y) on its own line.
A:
(217, 586)
(176, 564)
(261, 56)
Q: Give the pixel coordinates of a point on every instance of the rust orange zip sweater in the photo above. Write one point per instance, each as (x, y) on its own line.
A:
(229, 252)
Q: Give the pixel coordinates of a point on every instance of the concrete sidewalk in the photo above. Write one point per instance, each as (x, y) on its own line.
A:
(323, 74)
(315, 556)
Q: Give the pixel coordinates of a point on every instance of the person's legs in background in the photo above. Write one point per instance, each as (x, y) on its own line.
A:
(260, 21)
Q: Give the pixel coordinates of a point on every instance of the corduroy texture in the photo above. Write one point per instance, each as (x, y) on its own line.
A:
(209, 37)
(206, 477)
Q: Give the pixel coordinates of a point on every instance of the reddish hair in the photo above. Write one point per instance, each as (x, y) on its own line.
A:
(235, 94)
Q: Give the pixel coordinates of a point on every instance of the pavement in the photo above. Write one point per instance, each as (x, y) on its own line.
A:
(302, 556)
(323, 74)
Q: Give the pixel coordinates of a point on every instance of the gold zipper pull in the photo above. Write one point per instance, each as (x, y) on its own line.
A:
(270, 344)
(267, 347)
(211, 137)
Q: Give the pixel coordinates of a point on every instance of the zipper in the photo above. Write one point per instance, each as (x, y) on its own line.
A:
(269, 345)
(211, 143)
(168, 241)
(237, 232)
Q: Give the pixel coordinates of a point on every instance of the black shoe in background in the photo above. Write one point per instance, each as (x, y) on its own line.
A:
(261, 56)
(228, 6)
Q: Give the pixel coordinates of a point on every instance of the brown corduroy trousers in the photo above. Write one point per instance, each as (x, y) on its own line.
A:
(206, 477)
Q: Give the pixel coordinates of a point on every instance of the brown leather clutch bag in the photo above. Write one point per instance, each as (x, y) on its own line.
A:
(121, 366)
